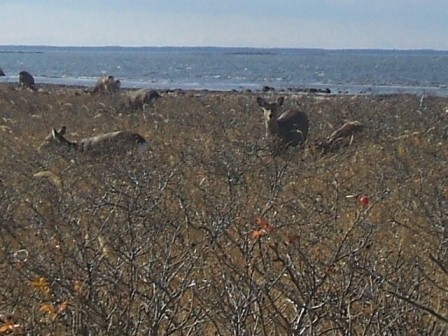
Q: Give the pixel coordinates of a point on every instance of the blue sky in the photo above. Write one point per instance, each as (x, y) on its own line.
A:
(388, 24)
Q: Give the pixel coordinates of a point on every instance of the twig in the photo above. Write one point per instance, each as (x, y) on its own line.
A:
(420, 306)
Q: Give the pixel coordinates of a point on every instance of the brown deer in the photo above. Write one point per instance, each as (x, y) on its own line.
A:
(139, 98)
(107, 84)
(115, 143)
(26, 80)
(289, 128)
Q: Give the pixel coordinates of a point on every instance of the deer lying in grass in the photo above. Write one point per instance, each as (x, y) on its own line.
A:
(115, 143)
(289, 128)
(342, 136)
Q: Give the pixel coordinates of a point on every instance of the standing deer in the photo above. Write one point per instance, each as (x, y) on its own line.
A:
(289, 128)
(26, 80)
(115, 143)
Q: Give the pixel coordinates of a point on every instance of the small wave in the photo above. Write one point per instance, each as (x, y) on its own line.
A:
(235, 68)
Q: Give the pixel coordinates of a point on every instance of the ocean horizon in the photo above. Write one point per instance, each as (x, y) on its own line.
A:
(354, 71)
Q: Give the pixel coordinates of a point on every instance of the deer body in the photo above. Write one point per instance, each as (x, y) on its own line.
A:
(109, 143)
(289, 128)
(137, 99)
(107, 84)
(26, 80)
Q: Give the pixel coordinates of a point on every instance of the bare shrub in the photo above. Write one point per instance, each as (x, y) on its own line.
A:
(208, 233)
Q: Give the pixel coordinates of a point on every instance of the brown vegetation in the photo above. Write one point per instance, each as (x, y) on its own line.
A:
(209, 234)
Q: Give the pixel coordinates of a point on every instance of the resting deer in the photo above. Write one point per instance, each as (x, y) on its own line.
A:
(289, 128)
(139, 98)
(107, 84)
(26, 80)
(105, 144)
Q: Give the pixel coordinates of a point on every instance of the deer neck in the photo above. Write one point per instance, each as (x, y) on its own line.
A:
(270, 118)
(69, 144)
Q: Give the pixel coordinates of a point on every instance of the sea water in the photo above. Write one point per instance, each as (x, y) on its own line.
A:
(343, 71)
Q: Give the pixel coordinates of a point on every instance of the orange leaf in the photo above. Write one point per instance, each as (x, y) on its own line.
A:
(260, 221)
(39, 283)
(77, 286)
(63, 307)
(255, 234)
(47, 308)
(258, 233)
(7, 326)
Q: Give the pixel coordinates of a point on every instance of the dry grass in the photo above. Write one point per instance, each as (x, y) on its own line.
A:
(211, 234)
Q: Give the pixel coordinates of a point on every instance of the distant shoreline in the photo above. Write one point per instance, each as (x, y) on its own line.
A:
(20, 52)
(237, 50)
(311, 90)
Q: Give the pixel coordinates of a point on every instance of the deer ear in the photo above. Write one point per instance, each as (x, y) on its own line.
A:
(280, 101)
(62, 130)
(54, 133)
(261, 102)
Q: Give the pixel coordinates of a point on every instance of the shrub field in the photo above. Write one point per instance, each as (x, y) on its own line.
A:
(209, 233)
